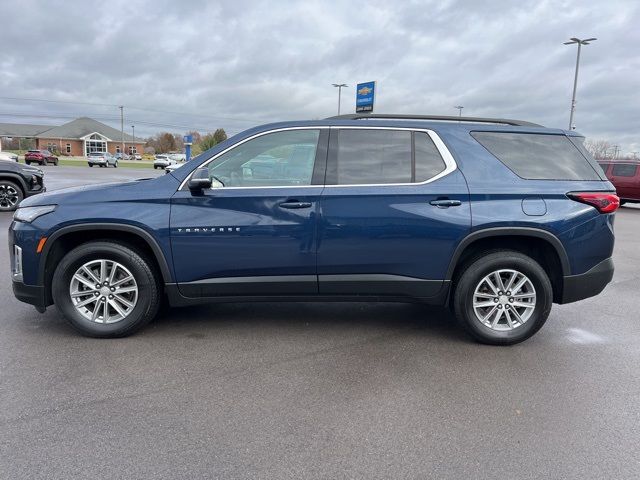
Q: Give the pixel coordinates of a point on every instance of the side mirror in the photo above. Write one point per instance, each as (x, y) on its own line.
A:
(199, 181)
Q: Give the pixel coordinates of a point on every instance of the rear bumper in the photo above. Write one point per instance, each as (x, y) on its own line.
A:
(587, 284)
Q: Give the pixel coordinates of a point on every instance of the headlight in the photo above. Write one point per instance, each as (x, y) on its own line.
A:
(29, 214)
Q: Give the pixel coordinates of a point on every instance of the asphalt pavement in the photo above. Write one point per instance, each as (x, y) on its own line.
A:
(313, 390)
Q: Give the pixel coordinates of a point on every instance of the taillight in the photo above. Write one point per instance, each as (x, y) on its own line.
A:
(604, 202)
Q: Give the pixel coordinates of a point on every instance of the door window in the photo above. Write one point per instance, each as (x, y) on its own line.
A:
(384, 157)
(273, 160)
(624, 170)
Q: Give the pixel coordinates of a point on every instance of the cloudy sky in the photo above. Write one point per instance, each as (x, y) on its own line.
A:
(207, 64)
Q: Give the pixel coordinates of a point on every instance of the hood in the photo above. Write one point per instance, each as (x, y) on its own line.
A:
(10, 166)
(105, 192)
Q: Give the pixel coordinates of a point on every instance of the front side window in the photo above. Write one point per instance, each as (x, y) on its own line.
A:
(624, 170)
(276, 159)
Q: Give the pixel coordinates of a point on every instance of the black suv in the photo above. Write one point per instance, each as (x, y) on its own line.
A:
(18, 182)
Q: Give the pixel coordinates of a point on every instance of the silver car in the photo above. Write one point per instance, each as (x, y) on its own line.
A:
(163, 161)
(103, 159)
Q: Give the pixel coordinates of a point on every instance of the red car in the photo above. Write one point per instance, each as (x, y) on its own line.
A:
(41, 157)
(625, 176)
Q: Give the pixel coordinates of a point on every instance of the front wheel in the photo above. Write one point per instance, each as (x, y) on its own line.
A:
(503, 298)
(106, 289)
(115, 165)
(10, 196)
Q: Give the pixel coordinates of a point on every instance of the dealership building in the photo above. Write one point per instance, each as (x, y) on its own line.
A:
(78, 137)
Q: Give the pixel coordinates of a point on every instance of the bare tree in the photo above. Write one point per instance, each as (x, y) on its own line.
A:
(598, 148)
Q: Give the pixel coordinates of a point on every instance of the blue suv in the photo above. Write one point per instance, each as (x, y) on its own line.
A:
(496, 219)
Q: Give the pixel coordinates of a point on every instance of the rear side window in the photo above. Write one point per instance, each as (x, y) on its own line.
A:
(538, 157)
(383, 157)
(603, 166)
(624, 170)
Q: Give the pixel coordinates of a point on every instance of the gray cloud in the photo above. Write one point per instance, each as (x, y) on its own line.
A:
(239, 63)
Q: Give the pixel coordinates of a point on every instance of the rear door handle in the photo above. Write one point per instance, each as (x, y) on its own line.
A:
(445, 203)
(295, 204)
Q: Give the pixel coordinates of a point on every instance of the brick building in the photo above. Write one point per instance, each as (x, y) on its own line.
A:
(78, 137)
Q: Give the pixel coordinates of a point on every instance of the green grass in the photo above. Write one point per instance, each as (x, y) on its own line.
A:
(121, 163)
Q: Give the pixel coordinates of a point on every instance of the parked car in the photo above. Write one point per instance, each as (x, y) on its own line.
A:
(102, 159)
(122, 156)
(12, 157)
(137, 156)
(41, 157)
(18, 182)
(162, 161)
(496, 219)
(625, 176)
(178, 157)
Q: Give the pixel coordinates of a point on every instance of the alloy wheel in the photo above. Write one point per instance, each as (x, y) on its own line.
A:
(9, 196)
(103, 291)
(504, 300)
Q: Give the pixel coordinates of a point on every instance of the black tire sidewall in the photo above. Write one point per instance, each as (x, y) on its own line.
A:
(482, 267)
(148, 293)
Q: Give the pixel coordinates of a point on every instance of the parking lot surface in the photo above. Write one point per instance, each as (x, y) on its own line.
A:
(311, 390)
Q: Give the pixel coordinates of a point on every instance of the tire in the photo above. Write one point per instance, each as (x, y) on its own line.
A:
(145, 305)
(502, 333)
(27, 162)
(91, 165)
(115, 165)
(622, 202)
(155, 168)
(10, 196)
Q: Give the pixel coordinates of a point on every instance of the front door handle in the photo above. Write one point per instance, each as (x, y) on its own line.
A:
(295, 204)
(445, 203)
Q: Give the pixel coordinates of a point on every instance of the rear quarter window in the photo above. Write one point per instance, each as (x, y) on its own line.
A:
(538, 156)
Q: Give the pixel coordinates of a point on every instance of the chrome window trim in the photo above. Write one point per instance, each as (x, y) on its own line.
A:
(450, 163)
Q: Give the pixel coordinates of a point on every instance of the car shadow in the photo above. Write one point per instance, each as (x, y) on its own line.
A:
(385, 317)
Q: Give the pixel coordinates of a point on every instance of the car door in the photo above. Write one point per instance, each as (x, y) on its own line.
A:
(393, 210)
(254, 232)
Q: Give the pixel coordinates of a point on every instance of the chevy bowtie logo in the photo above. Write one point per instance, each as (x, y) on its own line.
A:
(208, 229)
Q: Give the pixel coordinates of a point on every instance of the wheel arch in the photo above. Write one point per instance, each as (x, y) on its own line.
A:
(14, 177)
(62, 240)
(539, 244)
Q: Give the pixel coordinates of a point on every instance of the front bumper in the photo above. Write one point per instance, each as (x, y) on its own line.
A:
(587, 284)
(31, 294)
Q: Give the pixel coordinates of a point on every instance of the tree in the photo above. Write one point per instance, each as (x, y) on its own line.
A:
(220, 135)
(597, 148)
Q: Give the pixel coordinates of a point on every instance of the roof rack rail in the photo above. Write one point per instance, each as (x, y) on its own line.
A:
(447, 118)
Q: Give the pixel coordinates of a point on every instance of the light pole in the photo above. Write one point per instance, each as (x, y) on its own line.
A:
(459, 107)
(133, 134)
(571, 41)
(339, 86)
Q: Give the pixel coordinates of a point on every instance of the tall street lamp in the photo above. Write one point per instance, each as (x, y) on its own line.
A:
(133, 133)
(459, 107)
(339, 86)
(571, 41)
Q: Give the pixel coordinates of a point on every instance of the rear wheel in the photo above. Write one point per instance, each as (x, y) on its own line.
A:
(10, 196)
(503, 298)
(91, 164)
(106, 289)
(115, 165)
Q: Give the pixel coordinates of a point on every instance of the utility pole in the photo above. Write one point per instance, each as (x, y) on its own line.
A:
(459, 107)
(339, 86)
(575, 78)
(122, 128)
